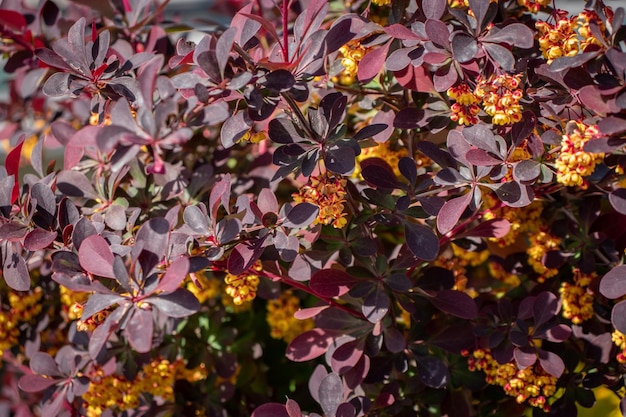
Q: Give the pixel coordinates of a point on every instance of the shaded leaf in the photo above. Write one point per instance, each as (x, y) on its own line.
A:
(175, 274)
(139, 330)
(331, 282)
(372, 63)
(177, 304)
(451, 212)
(301, 215)
(617, 198)
(42, 363)
(271, 410)
(309, 345)
(464, 47)
(515, 34)
(346, 356)
(551, 363)
(421, 241)
(432, 371)
(98, 302)
(96, 257)
(35, 383)
(524, 357)
(457, 303)
(501, 55)
(16, 273)
(376, 305)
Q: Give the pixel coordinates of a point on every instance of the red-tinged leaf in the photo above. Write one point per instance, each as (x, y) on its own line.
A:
(490, 228)
(52, 407)
(545, 307)
(355, 376)
(307, 313)
(445, 77)
(42, 363)
(551, 363)
(331, 394)
(454, 302)
(375, 306)
(415, 78)
(401, 32)
(346, 356)
(35, 383)
(372, 63)
(12, 19)
(612, 125)
(464, 47)
(244, 255)
(558, 333)
(139, 330)
(178, 304)
(481, 158)
(526, 170)
(12, 231)
(591, 97)
(377, 172)
(309, 345)
(332, 282)
(98, 302)
(38, 239)
(438, 33)
(270, 410)
(174, 275)
(345, 410)
(319, 373)
(12, 165)
(501, 55)
(293, 409)
(515, 34)
(451, 212)
(301, 215)
(96, 257)
(421, 241)
(524, 357)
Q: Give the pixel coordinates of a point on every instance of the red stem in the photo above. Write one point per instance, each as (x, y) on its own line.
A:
(285, 12)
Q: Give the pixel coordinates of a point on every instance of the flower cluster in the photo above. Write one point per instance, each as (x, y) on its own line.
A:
(533, 384)
(573, 163)
(156, 378)
(351, 54)
(465, 110)
(283, 325)
(242, 287)
(328, 193)
(558, 39)
(207, 288)
(533, 6)
(541, 243)
(577, 297)
(23, 308)
(501, 95)
(72, 302)
(619, 339)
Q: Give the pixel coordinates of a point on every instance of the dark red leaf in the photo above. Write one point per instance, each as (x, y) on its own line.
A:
(12, 19)
(96, 257)
(42, 363)
(301, 215)
(372, 63)
(175, 274)
(551, 363)
(346, 356)
(270, 410)
(451, 212)
(524, 357)
(12, 165)
(481, 158)
(433, 9)
(309, 345)
(454, 302)
(38, 239)
(139, 330)
(332, 282)
(515, 34)
(35, 383)
(177, 304)
(376, 305)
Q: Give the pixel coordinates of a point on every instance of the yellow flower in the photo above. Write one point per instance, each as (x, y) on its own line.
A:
(328, 194)
(541, 243)
(210, 287)
(283, 325)
(577, 298)
(533, 6)
(350, 55)
(573, 163)
(242, 287)
(500, 95)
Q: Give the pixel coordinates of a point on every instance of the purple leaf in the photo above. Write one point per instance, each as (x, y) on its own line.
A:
(197, 220)
(293, 409)
(151, 243)
(234, 128)
(222, 49)
(421, 241)
(301, 215)
(244, 255)
(372, 63)
(612, 125)
(515, 34)
(432, 371)
(41, 363)
(355, 376)
(139, 330)
(545, 307)
(558, 333)
(377, 172)
(617, 198)
(618, 316)
(376, 306)
(481, 158)
(372, 130)
(52, 407)
(490, 228)
(451, 212)
(526, 170)
(267, 202)
(57, 84)
(95, 256)
(501, 55)
(332, 282)
(282, 130)
(15, 272)
(408, 118)
(38, 239)
(270, 410)
(12, 231)
(75, 184)
(175, 274)
(524, 128)
(524, 357)
(434, 9)
(514, 194)
(340, 160)
(309, 345)
(35, 383)
(315, 380)
(394, 340)
(98, 302)
(177, 304)
(331, 393)
(345, 410)
(454, 302)
(438, 33)
(445, 77)
(551, 363)
(464, 47)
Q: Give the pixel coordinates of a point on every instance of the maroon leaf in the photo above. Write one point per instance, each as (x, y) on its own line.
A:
(244, 255)
(490, 228)
(35, 383)
(332, 282)
(545, 307)
(617, 198)
(38, 239)
(421, 241)
(501, 55)
(139, 330)
(346, 356)
(434, 9)
(400, 32)
(16, 273)
(551, 363)
(175, 274)
(41, 363)
(12, 165)
(612, 125)
(376, 305)
(98, 302)
(558, 333)
(177, 304)
(464, 47)
(591, 97)
(309, 345)
(408, 118)
(377, 172)
(526, 170)
(301, 215)
(618, 316)
(515, 34)
(480, 157)
(270, 410)
(454, 302)
(96, 257)
(437, 32)
(372, 63)
(451, 212)
(433, 371)
(394, 340)
(12, 231)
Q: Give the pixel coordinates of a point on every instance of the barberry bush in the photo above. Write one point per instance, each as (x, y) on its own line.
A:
(360, 208)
